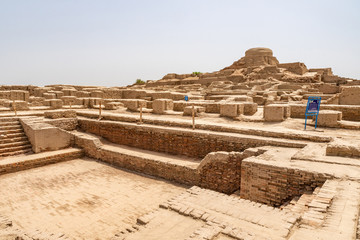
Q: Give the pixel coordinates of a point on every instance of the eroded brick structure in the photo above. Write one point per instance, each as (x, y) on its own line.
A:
(242, 168)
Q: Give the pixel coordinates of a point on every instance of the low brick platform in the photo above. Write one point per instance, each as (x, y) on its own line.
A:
(349, 112)
(343, 148)
(329, 118)
(15, 164)
(276, 112)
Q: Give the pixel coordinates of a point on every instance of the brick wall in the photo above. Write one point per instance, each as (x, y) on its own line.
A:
(273, 185)
(210, 107)
(94, 148)
(38, 160)
(175, 141)
(296, 67)
(168, 171)
(221, 171)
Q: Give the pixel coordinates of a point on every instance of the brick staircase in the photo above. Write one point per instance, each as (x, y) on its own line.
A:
(332, 214)
(13, 140)
(329, 212)
(301, 204)
(202, 214)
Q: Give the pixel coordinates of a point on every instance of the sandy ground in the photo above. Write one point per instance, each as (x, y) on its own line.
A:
(166, 226)
(223, 237)
(82, 198)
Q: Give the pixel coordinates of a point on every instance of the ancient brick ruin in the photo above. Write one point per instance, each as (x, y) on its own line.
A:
(140, 162)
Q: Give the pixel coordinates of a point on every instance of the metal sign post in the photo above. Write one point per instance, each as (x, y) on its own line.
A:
(312, 108)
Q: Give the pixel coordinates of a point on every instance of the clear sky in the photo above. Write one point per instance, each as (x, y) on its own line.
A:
(113, 43)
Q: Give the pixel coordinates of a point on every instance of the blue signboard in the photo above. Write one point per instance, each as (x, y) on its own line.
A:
(312, 108)
(186, 98)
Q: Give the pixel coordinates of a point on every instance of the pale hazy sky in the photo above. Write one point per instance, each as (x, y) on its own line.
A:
(112, 43)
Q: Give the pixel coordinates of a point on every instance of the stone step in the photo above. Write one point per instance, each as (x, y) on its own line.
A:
(9, 123)
(13, 139)
(14, 144)
(9, 150)
(289, 204)
(333, 213)
(10, 127)
(5, 132)
(8, 119)
(301, 204)
(19, 152)
(6, 137)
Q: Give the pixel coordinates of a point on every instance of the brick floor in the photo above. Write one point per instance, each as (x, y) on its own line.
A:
(82, 198)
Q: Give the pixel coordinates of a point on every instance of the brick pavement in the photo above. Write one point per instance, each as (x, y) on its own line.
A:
(81, 198)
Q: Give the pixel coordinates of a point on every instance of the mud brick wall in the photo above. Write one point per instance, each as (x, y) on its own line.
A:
(175, 141)
(274, 185)
(337, 148)
(349, 112)
(180, 105)
(209, 107)
(212, 108)
(67, 124)
(112, 93)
